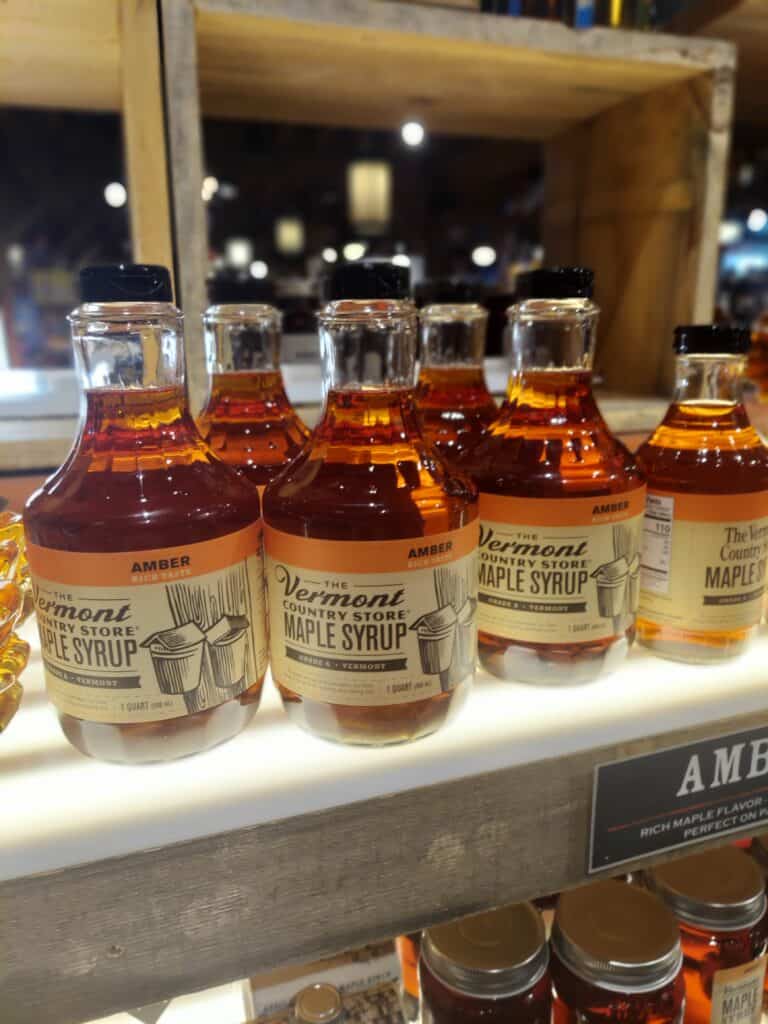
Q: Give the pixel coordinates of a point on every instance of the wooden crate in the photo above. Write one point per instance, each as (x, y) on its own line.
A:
(635, 128)
(98, 55)
(745, 24)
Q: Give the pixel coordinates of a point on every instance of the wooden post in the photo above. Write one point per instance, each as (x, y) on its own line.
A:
(144, 133)
(186, 154)
(636, 193)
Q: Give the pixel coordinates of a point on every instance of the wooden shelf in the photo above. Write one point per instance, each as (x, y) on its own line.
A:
(745, 24)
(61, 55)
(126, 885)
(635, 128)
(100, 55)
(375, 64)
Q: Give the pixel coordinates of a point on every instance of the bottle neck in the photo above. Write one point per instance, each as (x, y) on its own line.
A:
(367, 418)
(452, 336)
(244, 395)
(137, 421)
(368, 346)
(551, 397)
(552, 334)
(709, 379)
(243, 338)
(131, 362)
(128, 345)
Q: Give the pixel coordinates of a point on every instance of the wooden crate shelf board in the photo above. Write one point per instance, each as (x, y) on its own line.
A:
(364, 64)
(745, 24)
(278, 847)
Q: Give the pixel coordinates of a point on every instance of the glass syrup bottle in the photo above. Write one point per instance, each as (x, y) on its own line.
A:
(145, 549)
(706, 526)
(370, 542)
(561, 501)
(718, 898)
(247, 420)
(452, 399)
(616, 958)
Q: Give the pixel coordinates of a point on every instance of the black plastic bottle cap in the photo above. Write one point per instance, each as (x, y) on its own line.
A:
(556, 283)
(125, 282)
(711, 339)
(368, 279)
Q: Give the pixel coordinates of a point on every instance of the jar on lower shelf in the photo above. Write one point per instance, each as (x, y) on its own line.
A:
(616, 957)
(718, 898)
(490, 968)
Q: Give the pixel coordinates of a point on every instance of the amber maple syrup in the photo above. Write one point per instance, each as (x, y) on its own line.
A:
(452, 398)
(144, 547)
(561, 501)
(370, 543)
(616, 958)
(248, 420)
(706, 529)
(718, 898)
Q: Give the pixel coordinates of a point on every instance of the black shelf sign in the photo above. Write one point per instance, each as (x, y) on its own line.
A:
(678, 796)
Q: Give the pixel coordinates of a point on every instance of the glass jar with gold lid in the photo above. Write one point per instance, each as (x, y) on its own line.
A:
(320, 1003)
(616, 956)
(490, 967)
(718, 898)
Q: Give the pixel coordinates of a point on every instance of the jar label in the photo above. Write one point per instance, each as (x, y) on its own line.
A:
(142, 636)
(737, 993)
(704, 560)
(563, 570)
(372, 623)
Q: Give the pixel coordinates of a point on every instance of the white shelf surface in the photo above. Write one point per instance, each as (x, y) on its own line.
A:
(61, 809)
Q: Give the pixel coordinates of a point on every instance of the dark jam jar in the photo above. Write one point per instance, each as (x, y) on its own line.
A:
(490, 967)
(616, 957)
(718, 898)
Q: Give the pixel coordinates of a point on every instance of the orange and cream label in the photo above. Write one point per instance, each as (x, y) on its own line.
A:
(141, 636)
(563, 570)
(704, 560)
(372, 623)
(737, 993)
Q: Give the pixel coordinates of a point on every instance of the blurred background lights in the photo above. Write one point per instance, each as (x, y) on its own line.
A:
(412, 133)
(401, 260)
(730, 232)
(210, 187)
(115, 194)
(354, 251)
(289, 235)
(259, 270)
(757, 219)
(238, 252)
(329, 255)
(484, 256)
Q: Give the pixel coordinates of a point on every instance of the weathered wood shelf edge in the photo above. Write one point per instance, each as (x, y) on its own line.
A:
(162, 922)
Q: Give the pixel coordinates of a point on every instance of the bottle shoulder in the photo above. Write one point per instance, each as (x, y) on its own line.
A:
(551, 462)
(368, 498)
(121, 511)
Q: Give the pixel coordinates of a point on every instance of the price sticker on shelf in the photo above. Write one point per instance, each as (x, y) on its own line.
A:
(678, 796)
